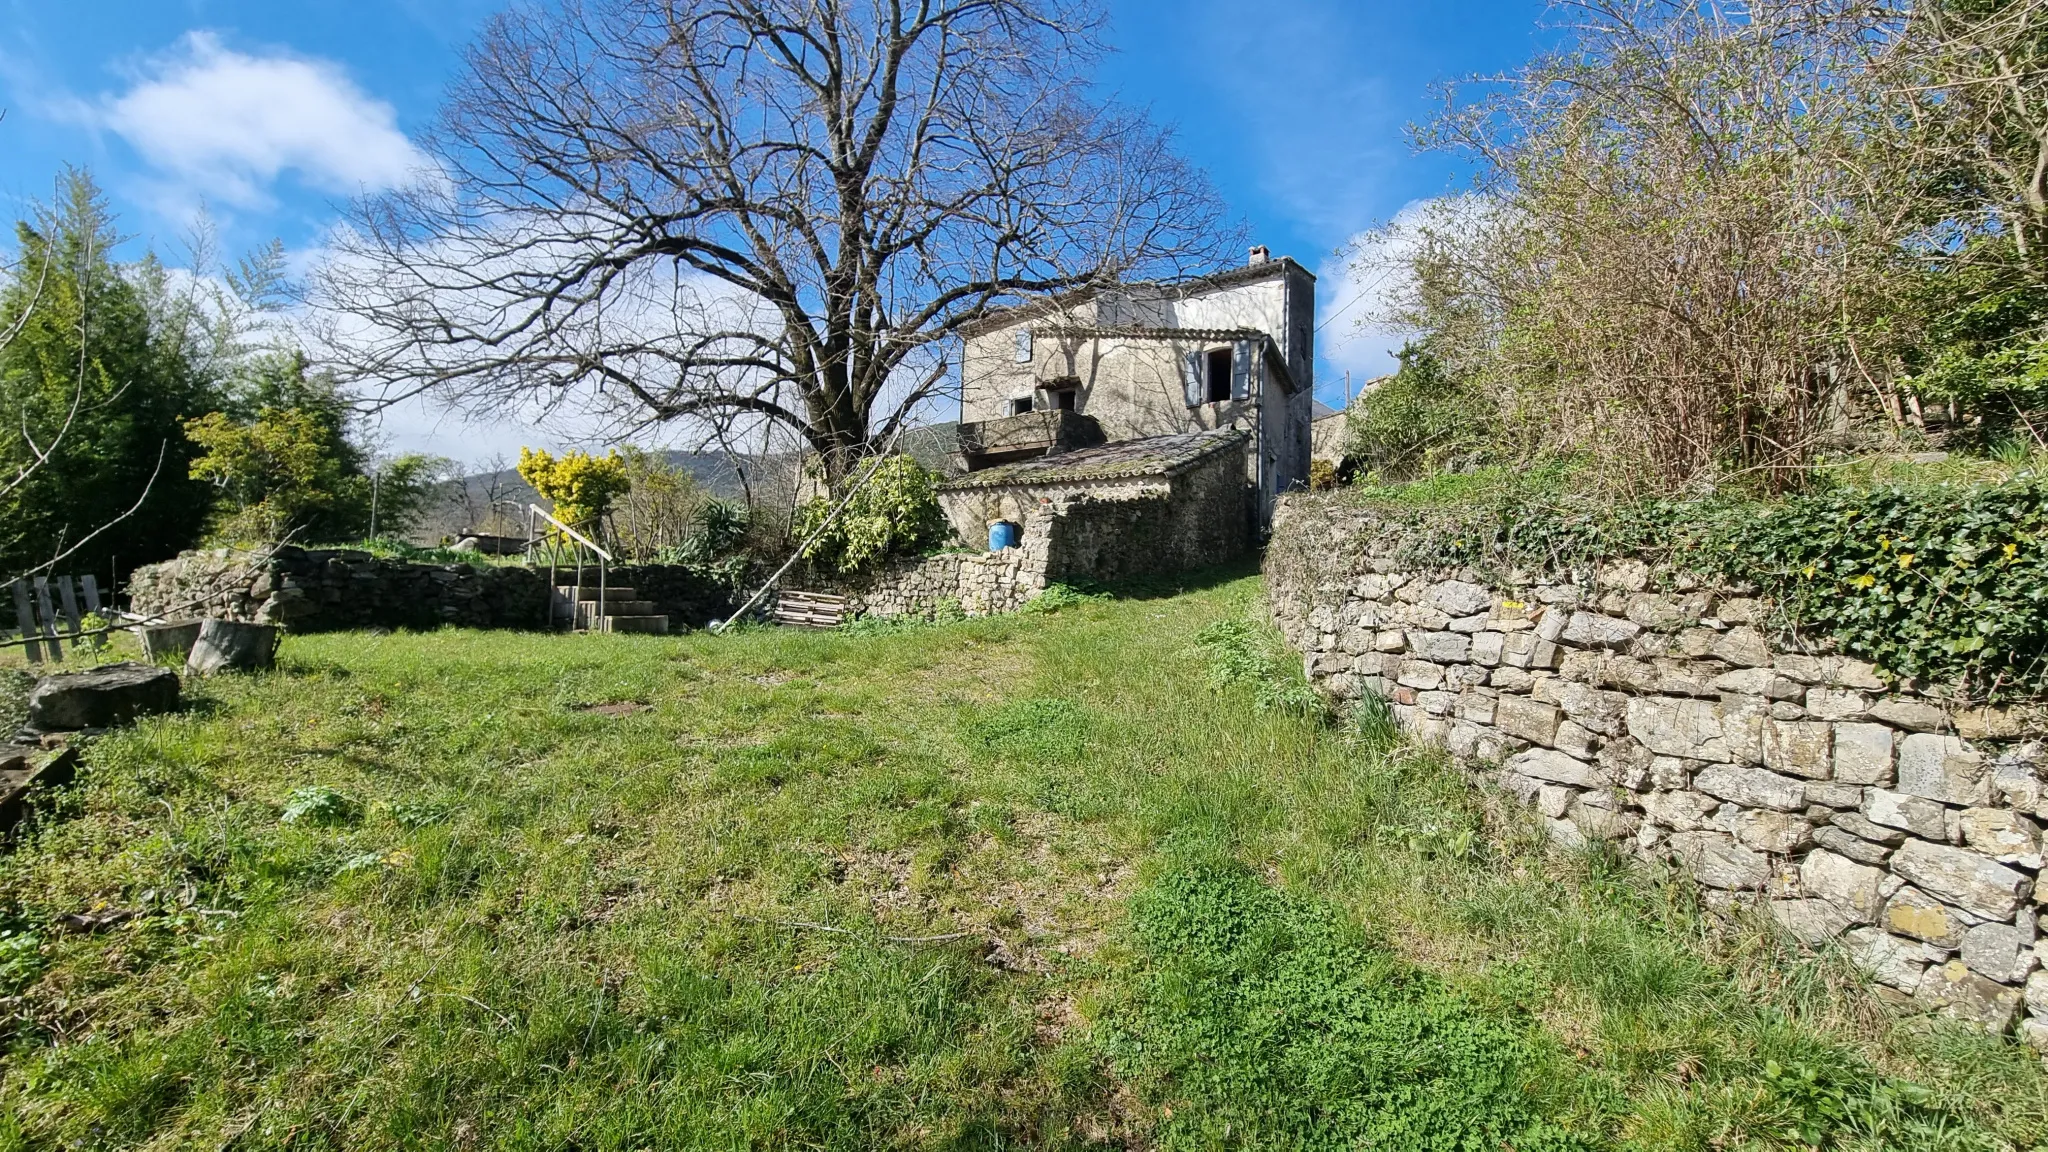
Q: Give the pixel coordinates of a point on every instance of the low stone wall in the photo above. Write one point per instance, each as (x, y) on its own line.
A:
(977, 583)
(326, 590)
(1660, 710)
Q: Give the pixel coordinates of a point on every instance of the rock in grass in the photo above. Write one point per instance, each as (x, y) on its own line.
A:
(101, 698)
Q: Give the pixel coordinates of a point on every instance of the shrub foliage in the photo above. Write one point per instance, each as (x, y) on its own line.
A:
(894, 513)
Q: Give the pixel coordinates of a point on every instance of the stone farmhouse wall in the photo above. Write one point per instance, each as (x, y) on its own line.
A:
(326, 590)
(1102, 530)
(1661, 711)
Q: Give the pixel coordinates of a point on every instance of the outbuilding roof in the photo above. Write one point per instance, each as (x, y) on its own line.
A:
(1123, 460)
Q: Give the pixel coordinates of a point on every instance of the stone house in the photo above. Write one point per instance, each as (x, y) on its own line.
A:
(1232, 351)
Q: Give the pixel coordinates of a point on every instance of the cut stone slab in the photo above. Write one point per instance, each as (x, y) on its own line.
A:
(1889, 959)
(1458, 597)
(1972, 881)
(1911, 715)
(163, 642)
(1592, 630)
(2003, 835)
(1911, 912)
(232, 646)
(1857, 889)
(1557, 768)
(1679, 726)
(1803, 748)
(24, 773)
(1863, 754)
(1998, 952)
(1861, 827)
(1944, 768)
(1717, 861)
(1527, 719)
(1752, 787)
(1678, 811)
(1775, 832)
(1956, 991)
(101, 698)
(1915, 814)
(1855, 848)
(1811, 922)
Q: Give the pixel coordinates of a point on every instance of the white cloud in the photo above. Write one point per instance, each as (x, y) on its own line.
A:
(227, 124)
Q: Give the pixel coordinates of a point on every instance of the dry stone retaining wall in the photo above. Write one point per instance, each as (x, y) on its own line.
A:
(325, 590)
(1660, 710)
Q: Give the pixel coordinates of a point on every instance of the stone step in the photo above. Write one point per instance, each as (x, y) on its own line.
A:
(657, 625)
(590, 608)
(589, 592)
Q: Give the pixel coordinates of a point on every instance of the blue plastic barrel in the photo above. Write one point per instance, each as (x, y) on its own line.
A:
(1003, 534)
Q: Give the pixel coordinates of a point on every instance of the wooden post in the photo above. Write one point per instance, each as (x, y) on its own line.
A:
(26, 616)
(48, 628)
(69, 599)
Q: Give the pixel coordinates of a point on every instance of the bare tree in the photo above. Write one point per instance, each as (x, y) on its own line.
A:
(738, 211)
(1686, 223)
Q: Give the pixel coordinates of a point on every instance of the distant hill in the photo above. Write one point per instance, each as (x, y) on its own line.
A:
(465, 504)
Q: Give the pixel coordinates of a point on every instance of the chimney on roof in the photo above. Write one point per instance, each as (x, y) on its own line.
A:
(1261, 254)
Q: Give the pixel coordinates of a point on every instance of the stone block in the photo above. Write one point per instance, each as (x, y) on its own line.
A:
(1752, 787)
(1663, 612)
(1717, 861)
(1557, 768)
(1437, 703)
(1803, 748)
(1352, 641)
(1858, 889)
(1863, 754)
(1679, 811)
(1956, 991)
(1442, 647)
(1912, 715)
(1911, 912)
(1459, 677)
(1458, 597)
(1590, 630)
(1509, 679)
(1774, 832)
(1551, 624)
(1742, 646)
(1843, 844)
(1915, 814)
(1475, 707)
(1554, 800)
(1598, 711)
(1467, 624)
(1574, 740)
(1834, 795)
(102, 697)
(2004, 835)
(1676, 726)
(1836, 704)
(1760, 682)
(1997, 952)
(1527, 719)
(1811, 922)
(1684, 678)
(2037, 993)
(1486, 648)
(1890, 959)
(1420, 674)
(1518, 649)
(1627, 575)
(1670, 772)
(1943, 768)
(1603, 823)
(1627, 762)
(1390, 640)
(1970, 880)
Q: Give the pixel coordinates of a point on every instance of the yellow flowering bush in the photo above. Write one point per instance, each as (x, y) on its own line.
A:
(581, 486)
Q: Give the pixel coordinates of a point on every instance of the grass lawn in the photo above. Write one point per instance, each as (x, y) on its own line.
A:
(1082, 879)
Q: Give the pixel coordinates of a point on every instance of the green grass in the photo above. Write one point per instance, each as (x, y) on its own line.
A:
(1085, 878)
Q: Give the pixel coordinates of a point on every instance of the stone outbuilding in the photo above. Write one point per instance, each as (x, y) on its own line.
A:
(1131, 508)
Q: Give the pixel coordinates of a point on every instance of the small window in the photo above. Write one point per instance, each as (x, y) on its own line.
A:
(1023, 345)
(1216, 374)
(1064, 399)
(1020, 405)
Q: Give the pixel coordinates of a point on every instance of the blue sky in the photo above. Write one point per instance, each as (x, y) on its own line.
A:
(268, 111)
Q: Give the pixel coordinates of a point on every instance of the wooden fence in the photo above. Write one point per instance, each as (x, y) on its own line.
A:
(41, 605)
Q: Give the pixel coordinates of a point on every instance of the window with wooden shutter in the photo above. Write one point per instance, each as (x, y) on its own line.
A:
(1241, 371)
(1023, 345)
(1191, 378)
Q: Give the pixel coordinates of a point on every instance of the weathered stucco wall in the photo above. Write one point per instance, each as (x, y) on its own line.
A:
(325, 590)
(1659, 710)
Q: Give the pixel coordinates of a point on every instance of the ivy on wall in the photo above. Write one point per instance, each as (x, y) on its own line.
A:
(1947, 584)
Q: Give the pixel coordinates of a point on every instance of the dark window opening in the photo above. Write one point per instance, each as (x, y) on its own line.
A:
(1020, 406)
(1064, 399)
(1218, 374)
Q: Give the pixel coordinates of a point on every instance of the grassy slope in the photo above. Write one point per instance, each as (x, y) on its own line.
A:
(703, 922)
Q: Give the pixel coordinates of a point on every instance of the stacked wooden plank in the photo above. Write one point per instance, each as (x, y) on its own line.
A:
(810, 609)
